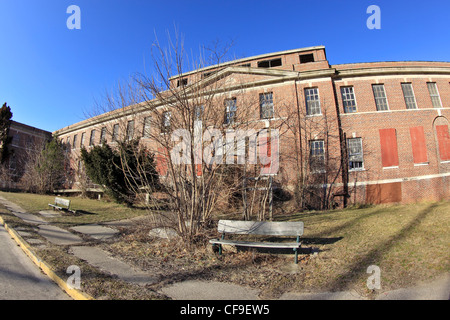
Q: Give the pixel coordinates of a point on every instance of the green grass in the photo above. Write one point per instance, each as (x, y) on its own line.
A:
(92, 211)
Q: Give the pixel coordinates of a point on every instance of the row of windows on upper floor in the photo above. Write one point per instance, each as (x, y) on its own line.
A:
(381, 101)
(312, 99)
(266, 109)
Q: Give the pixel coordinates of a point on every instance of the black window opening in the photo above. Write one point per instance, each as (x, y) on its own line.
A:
(206, 75)
(306, 58)
(270, 63)
(182, 82)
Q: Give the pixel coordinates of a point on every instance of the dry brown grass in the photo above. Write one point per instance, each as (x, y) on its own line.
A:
(408, 242)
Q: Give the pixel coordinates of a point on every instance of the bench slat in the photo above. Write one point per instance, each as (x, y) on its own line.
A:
(63, 202)
(261, 228)
(279, 245)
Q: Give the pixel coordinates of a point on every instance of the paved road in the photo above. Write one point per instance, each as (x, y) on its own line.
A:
(20, 278)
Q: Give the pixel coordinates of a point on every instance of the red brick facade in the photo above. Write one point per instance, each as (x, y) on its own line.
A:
(24, 139)
(395, 117)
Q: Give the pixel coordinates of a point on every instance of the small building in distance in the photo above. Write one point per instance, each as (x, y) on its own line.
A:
(25, 139)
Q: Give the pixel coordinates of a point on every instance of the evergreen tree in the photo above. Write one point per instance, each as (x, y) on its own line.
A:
(51, 165)
(5, 123)
(116, 170)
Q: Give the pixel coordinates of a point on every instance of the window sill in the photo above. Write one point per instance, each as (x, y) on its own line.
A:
(388, 168)
(319, 172)
(446, 161)
(421, 164)
(313, 115)
(271, 119)
(357, 170)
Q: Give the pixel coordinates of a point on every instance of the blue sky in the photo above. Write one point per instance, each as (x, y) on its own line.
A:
(51, 76)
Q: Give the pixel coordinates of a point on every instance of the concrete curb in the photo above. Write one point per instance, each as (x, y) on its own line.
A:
(74, 293)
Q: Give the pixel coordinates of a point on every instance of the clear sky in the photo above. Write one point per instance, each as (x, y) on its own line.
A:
(51, 76)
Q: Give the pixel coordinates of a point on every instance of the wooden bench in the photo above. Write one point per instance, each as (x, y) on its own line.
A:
(293, 229)
(61, 204)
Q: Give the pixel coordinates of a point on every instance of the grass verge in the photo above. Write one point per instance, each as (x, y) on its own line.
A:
(409, 243)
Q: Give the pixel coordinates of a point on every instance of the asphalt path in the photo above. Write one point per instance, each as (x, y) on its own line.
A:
(20, 278)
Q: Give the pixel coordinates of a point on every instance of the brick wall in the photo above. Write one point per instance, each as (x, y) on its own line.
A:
(402, 182)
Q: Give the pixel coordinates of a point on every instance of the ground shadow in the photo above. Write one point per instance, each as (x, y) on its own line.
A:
(374, 256)
(81, 212)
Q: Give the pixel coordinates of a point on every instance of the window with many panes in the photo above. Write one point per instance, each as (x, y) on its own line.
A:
(434, 94)
(355, 154)
(146, 131)
(380, 97)
(74, 144)
(199, 111)
(103, 135)
(115, 133)
(82, 140)
(317, 155)
(408, 94)
(312, 101)
(266, 105)
(166, 119)
(348, 99)
(130, 130)
(92, 138)
(230, 111)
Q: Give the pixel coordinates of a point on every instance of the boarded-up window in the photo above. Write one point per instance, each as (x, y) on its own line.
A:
(419, 147)
(268, 154)
(198, 170)
(389, 151)
(444, 142)
(384, 193)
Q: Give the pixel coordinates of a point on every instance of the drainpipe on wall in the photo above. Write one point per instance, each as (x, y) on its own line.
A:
(343, 143)
(299, 131)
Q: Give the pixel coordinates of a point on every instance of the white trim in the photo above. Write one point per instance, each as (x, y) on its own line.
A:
(416, 178)
(421, 164)
(352, 79)
(394, 110)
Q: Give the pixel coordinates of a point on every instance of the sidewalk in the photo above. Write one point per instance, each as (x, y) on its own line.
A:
(438, 289)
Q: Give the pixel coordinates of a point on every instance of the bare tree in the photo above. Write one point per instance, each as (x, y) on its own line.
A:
(204, 130)
(315, 154)
(44, 167)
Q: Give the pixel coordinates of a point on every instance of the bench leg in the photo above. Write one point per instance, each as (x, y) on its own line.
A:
(220, 245)
(296, 251)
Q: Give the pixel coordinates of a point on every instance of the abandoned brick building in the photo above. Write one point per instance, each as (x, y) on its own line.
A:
(388, 121)
(24, 139)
